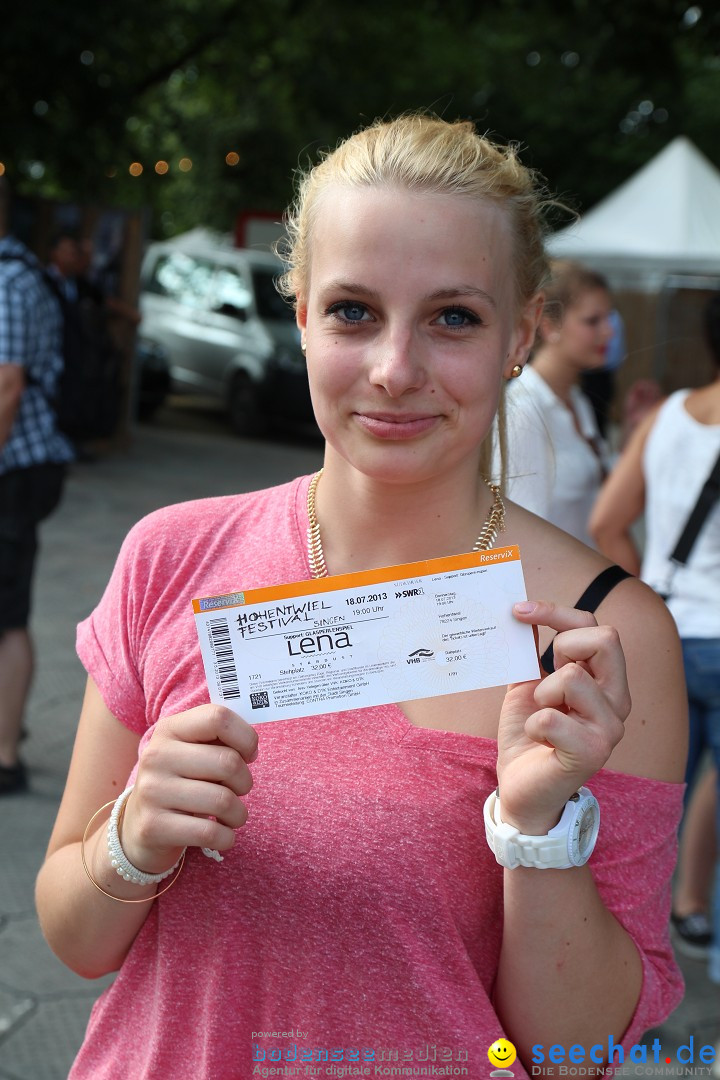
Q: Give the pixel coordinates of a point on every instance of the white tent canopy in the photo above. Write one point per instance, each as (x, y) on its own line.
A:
(663, 221)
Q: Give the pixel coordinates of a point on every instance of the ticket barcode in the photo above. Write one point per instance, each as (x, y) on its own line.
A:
(221, 645)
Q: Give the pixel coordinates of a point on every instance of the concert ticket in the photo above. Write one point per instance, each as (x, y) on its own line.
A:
(388, 635)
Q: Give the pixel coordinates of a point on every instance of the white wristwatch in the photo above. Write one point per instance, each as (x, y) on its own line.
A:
(569, 843)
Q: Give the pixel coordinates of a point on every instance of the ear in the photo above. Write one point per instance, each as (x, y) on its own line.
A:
(301, 313)
(523, 336)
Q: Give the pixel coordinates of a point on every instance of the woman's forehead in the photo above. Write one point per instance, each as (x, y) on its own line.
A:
(590, 298)
(355, 225)
(364, 200)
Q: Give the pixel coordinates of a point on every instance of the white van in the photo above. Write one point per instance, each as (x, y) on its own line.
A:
(227, 331)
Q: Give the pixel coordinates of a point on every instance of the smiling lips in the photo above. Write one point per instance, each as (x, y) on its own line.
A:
(391, 426)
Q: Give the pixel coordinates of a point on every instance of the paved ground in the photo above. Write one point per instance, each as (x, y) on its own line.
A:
(43, 1007)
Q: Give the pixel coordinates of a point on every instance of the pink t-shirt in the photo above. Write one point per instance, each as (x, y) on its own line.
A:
(358, 919)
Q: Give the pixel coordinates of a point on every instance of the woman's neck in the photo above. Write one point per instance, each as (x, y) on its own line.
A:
(560, 375)
(366, 523)
(703, 404)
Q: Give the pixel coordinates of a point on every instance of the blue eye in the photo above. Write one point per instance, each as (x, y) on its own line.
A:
(348, 312)
(456, 318)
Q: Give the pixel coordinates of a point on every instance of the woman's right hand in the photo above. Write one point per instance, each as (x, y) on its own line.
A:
(188, 787)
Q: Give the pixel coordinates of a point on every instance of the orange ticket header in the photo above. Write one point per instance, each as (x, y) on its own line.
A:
(361, 578)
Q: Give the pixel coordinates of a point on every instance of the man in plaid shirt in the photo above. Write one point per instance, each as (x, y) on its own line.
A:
(33, 455)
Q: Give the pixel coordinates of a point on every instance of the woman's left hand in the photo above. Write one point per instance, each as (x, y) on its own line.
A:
(554, 734)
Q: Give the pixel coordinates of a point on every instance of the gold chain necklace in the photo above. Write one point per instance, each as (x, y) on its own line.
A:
(494, 524)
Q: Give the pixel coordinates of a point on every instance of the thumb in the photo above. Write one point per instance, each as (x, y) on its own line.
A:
(523, 691)
(519, 702)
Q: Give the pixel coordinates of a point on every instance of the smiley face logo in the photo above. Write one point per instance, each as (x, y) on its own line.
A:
(502, 1053)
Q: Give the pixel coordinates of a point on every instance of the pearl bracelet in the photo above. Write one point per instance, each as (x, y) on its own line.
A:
(120, 861)
(118, 858)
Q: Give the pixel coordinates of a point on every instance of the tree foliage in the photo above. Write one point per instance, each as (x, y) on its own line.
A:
(591, 89)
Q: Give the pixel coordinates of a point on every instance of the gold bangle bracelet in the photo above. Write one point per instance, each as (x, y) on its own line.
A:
(119, 899)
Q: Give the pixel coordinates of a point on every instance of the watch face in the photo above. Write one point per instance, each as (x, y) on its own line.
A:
(585, 830)
(587, 822)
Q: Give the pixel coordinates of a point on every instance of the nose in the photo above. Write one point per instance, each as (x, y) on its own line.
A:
(397, 363)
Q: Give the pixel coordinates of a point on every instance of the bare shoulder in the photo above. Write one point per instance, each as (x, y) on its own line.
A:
(559, 568)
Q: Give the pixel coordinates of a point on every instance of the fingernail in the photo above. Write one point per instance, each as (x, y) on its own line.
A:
(526, 607)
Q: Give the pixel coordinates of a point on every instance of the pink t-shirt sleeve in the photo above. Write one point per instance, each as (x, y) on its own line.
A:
(632, 867)
(140, 644)
(107, 641)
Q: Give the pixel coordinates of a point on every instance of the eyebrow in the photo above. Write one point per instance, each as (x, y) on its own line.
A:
(451, 293)
(350, 287)
(462, 290)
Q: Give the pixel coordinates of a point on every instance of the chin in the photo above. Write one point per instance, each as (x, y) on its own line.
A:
(401, 466)
(391, 472)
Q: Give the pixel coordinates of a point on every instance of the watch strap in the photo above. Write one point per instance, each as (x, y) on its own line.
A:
(512, 848)
(559, 849)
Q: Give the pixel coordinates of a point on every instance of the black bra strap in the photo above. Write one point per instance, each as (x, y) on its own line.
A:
(593, 596)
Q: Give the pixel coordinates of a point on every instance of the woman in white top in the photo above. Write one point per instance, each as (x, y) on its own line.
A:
(557, 458)
(661, 472)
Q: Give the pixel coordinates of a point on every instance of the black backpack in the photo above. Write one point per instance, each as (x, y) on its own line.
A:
(87, 400)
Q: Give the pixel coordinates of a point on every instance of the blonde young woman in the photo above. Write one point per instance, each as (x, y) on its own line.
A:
(359, 906)
(557, 457)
